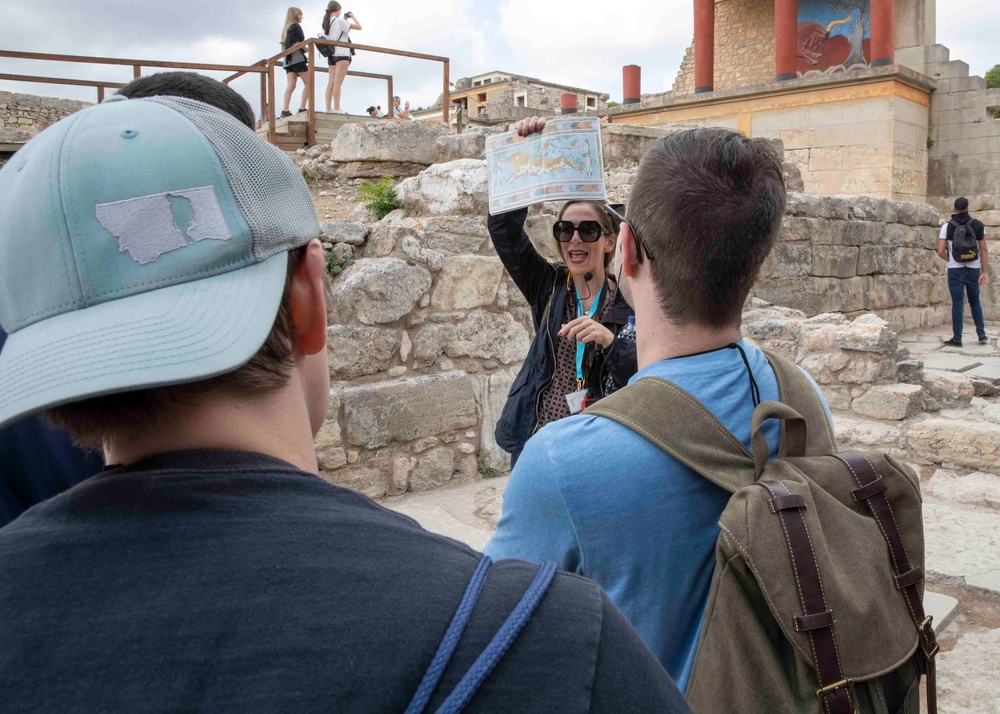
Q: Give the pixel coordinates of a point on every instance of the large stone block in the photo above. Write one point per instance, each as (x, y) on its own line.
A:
(470, 144)
(863, 369)
(948, 389)
(354, 350)
(975, 445)
(433, 468)
(372, 482)
(890, 401)
(328, 442)
(489, 335)
(467, 281)
(788, 260)
(452, 234)
(378, 290)
(902, 290)
(403, 142)
(491, 396)
(350, 232)
(810, 206)
(867, 334)
(835, 261)
(407, 409)
(896, 260)
(455, 188)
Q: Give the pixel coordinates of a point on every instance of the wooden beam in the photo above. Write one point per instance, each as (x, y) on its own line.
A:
(60, 80)
(132, 62)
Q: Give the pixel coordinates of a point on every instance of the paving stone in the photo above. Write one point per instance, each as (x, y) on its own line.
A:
(943, 608)
(987, 372)
(990, 582)
(950, 362)
(974, 445)
(967, 675)
(975, 489)
(956, 539)
(890, 401)
(948, 389)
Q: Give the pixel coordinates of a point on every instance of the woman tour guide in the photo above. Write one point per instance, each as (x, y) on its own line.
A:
(575, 357)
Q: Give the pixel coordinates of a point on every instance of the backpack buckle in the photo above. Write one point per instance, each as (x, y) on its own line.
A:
(928, 640)
(830, 688)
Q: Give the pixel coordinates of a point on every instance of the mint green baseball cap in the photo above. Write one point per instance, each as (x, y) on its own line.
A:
(143, 242)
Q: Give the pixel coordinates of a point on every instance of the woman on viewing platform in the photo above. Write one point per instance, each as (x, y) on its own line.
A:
(291, 35)
(577, 309)
(338, 28)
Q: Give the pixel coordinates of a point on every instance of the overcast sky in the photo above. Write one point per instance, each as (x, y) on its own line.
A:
(581, 43)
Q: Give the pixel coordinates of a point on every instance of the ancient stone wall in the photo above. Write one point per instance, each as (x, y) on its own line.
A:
(857, 255)
(428, 331)
(744, 47)
(32, 114)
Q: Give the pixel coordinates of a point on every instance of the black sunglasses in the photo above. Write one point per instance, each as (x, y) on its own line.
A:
(590, 231)
(640, 244)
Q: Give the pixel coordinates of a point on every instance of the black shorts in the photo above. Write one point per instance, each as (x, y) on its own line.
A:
(334, 59)
(298, 68)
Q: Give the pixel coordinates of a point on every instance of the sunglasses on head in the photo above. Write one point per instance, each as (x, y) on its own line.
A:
(590, 231)
(640, 245)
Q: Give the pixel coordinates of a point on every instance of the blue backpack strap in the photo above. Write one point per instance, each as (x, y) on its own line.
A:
(494, 651)
(451, 637)
(502, 640)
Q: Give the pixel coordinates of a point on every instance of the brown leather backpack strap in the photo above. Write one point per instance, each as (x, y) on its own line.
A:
(871, 490)
(795, 390)
(835, 693)
(680, 425)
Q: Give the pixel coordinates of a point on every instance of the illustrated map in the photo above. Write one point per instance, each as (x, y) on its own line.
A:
(561, 162)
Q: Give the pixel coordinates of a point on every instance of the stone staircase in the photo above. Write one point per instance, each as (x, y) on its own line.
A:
(292, 131)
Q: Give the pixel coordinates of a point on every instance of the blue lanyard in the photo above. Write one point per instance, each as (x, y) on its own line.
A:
(580, 347)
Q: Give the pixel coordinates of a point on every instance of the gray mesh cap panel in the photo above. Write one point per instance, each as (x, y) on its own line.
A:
(268, 187)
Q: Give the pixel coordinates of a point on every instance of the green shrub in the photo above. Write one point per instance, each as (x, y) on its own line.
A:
(613, 104)
(993, 77)
(486, 471)
(335, 265)
(379, 197)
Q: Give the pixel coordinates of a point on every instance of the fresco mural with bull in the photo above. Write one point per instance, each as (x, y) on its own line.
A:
(833, 36)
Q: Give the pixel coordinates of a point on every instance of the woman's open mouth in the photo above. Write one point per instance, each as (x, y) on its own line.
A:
(577, 257)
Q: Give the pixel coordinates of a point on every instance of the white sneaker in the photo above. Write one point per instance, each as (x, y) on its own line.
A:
(337, 111)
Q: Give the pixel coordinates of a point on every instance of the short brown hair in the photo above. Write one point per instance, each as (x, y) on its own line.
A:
(608, 222)
(132, 415)
(709, 204)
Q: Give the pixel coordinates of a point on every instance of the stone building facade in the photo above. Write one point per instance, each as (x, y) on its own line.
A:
(29, 113)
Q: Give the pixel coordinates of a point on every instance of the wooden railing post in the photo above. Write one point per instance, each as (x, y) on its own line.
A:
(458, 119)
(100, 94)
(263, 95)
(272, 131)
(446, 96)
(136, 71)
(311, 113)
(392, 110)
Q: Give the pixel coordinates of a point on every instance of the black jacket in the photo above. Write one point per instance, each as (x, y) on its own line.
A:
(544, 287)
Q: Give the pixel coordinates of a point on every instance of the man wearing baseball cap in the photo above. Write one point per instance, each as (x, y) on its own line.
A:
(164, 292)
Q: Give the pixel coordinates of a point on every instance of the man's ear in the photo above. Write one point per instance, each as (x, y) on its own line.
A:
(308, 300)
(628, 257)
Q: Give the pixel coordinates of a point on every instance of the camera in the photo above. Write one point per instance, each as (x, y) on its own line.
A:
(347, 15)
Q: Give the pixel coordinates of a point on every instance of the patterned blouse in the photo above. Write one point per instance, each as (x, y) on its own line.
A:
(553, 397)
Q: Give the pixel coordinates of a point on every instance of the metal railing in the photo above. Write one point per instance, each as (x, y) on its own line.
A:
(264, 68)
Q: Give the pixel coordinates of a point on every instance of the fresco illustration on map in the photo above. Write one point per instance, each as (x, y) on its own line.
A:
(833, 36)
(561, 162)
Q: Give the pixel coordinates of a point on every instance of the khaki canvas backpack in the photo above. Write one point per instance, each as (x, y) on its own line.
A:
(816, 598)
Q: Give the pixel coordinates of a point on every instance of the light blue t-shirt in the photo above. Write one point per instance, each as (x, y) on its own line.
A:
(605, 503)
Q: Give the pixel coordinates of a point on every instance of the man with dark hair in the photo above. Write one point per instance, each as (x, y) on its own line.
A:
(963, 244)
(704, 211)
(164, 288)
(191, 86)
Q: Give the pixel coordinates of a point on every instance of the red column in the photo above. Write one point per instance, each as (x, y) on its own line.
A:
(704, 45)
(631, 84)
(882, 22)
(786, 31)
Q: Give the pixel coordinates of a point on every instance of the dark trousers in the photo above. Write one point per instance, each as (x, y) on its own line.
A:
(962, 282)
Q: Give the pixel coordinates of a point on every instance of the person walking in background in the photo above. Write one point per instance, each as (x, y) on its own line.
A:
(338, 28)
(577, 309)
(962, 243)
(296, 64)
